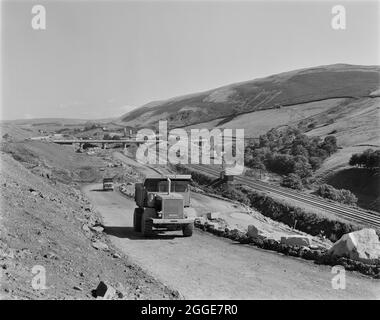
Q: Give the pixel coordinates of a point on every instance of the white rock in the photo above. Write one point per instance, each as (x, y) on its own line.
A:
(297, 240)
(213, 215)
(213, 225)
(100, 245)
(363, 245)
(97, 229)
(200, 221)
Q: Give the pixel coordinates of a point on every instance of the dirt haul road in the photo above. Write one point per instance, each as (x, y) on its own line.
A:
(207, 267)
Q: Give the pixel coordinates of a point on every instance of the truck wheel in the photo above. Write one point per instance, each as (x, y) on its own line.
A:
(137, 220)
(147, 227)
(187, 230)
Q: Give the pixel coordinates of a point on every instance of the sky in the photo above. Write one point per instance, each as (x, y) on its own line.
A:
(101, 59)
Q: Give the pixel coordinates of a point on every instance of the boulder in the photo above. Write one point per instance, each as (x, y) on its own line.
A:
(213, 215)
(236, 233)
(116, 255)
(212, 225)
(105, 291)
(85, 228)
(200, 221)
(253, 232)
(97, 228)
(363, 245)
(100, 245)
(296, 240)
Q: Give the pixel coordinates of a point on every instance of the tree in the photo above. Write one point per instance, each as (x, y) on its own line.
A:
(90, 125)
(348, 197)
(329, 144)
(369, 159)
(281, 163)
(302, 167)
(292, 181)
(355, 160)
(342, 195)
(299, 150)
(315, 162)
(287, 150)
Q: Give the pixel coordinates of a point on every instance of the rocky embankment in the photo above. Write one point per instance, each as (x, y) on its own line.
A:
(52, 245)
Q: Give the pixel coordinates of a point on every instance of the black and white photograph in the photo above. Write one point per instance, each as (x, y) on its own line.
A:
(188, 155)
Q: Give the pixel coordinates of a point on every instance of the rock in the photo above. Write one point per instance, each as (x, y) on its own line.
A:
(296, 240)
(200, 221)
(363, 245)
(253, 232)
(235, 234)
(213, 215)
(86, 228)
(97, 229)
(212, 225)
(105, 291)
(120, 291)
(51, 255)
(100, 245)
(116, 255)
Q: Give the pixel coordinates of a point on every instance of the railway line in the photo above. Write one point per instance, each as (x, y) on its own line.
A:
(353, 214)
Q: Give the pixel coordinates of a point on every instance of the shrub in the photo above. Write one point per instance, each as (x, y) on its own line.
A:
(342, 195)
(275, 209)
(232, 193)
(286, 151)
(292, 181)
(308, 222)
(369, 159)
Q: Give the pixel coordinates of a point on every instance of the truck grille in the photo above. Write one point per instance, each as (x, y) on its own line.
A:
(172, 209)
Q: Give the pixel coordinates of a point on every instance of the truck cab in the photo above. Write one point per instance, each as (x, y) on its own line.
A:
(108, 184)
(164, 202)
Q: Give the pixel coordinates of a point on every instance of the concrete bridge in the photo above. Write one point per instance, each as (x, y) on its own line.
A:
(103, 142)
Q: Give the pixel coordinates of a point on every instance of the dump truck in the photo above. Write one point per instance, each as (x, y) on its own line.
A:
(163, 203)
(108, 184)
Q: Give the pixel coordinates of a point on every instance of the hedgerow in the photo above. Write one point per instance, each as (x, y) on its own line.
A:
(319, 256)
(293, 216)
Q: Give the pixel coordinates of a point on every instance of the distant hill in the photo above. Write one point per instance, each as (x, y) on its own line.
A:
(319, 85)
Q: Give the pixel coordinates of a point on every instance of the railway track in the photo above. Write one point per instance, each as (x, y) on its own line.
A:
(339, 210)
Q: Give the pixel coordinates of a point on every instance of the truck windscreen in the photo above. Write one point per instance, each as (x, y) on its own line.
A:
(162, 185)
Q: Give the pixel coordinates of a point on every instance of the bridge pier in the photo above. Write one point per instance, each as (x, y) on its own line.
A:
(78, 147)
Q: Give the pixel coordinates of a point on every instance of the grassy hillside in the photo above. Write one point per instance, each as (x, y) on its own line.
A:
(364, 183)
(275, 92)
